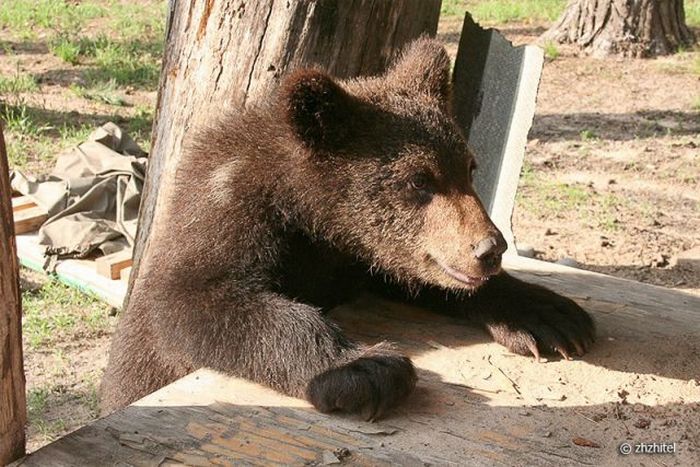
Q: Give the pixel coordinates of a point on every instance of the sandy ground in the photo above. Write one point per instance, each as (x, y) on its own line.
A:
(612, 167)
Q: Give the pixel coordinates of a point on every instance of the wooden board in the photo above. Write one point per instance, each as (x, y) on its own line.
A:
(112, 265)
(29, 219)
(21, 203)
(78, 273)
(124, 274)
(475, 403)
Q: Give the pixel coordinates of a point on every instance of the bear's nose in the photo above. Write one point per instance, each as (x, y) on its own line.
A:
(490, 249)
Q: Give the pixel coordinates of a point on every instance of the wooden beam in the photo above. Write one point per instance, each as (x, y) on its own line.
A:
(13, 406)
(29, 219)
(125, 274)
(21, 203)
(112, 265)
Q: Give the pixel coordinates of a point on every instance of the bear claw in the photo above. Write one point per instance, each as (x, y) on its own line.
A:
(550, 324)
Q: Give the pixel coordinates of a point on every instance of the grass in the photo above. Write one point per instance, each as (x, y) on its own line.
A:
(46, 418)
(505, 11)
(551, 51)
(692, 13)
(55, 312)
(551, 199)
(696, 104)
(106, 92)
(26, 18)
(111, 48)
(18, 83)
(65, 49)
(588, 135)
(130, 55)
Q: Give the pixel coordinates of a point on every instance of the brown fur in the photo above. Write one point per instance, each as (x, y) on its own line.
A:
(286, 210)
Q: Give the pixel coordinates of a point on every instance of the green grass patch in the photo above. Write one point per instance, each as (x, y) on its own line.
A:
(19, 118)
(505, 11)
(66, 49)
(18, 83)
(692, 13)
(25, 18)
(695, 65)
(125, 65)
(129, 53)
(106, 92)
(588, 135)
(696, 104)
(56, 313)
(551, 51)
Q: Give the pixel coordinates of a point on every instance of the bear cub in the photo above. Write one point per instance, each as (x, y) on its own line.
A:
(281, 212)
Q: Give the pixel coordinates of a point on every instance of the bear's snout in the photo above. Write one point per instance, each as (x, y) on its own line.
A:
(489, 251)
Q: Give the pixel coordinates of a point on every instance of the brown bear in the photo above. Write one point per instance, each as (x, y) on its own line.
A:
(284, 211)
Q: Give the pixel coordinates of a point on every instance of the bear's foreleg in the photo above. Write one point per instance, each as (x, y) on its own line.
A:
(529, 319)
(290, 346)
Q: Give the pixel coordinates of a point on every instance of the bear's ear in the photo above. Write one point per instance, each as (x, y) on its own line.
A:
(423, 68)
(317, 109)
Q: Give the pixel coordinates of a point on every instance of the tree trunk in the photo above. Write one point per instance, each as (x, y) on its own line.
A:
(13, 406)
(636, 28)
(232, 53)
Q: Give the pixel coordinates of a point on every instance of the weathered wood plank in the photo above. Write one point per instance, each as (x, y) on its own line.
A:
(30, 219)
(112, 265)
(475, 403)
(124, 274)
(78, 273)
(13, 413)
(20, 203)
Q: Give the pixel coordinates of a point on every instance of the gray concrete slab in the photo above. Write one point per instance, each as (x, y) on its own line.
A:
(495, 90)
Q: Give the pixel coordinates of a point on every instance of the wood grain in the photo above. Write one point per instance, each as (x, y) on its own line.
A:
(13, 413)
(20, 203)
(112, 265)
(475, 404)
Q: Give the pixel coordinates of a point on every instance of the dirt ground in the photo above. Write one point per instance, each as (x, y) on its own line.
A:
(611, 180)
(612, 170)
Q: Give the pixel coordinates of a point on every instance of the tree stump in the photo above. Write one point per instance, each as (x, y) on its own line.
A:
(13, 405)
(636, 28)
(233, 53)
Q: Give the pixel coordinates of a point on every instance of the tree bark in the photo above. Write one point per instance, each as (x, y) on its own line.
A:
(13, 406)
(636, 28)
(233, 53)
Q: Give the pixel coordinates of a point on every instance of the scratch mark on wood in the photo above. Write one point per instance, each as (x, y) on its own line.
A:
(205, 19)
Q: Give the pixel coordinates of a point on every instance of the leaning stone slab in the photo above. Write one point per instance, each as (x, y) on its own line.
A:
(495, 89)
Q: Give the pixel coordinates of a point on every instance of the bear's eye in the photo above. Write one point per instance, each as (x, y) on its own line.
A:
(420, 182)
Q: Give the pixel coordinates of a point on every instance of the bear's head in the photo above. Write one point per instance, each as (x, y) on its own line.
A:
(383, 170)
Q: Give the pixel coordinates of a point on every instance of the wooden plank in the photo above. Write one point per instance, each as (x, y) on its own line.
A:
(77, 273)
(124, 274)
(30, 219)
(21, 203)
(13, 415)
(475, 403)
(112, 265)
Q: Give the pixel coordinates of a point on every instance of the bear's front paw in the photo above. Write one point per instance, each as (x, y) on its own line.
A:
(543, 322)
(375, 381)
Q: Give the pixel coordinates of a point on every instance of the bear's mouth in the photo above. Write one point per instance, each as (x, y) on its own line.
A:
(459, 276)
